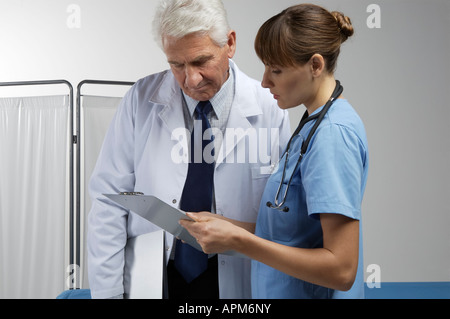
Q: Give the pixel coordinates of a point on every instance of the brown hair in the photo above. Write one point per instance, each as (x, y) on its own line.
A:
(293, 36)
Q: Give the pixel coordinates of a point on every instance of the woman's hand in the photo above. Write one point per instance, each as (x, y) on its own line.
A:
(214, 233)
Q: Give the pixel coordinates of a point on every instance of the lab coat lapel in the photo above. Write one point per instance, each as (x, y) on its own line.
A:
(244, 107)
(236, 121)
(169, 97)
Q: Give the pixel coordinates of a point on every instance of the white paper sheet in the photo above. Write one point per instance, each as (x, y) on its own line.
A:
(144, 272)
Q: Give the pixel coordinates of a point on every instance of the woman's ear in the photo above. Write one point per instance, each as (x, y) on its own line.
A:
(317, 64)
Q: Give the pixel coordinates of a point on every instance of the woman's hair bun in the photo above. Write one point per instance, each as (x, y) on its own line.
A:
(345, 25)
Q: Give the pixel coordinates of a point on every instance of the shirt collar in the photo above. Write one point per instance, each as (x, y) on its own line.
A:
(217, 101)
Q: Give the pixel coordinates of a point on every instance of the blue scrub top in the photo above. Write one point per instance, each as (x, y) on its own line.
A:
(331, 178)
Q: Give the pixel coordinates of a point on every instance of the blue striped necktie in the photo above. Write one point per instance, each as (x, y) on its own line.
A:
(196, 197)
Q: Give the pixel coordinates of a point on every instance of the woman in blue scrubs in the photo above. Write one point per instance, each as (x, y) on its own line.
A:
(310, 245)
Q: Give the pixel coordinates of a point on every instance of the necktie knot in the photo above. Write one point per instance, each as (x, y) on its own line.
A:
(203, 108)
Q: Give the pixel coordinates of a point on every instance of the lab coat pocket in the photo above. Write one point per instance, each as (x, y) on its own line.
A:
(261, 171)
(260, 175)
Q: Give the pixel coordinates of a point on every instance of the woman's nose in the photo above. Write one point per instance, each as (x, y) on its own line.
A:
(266, 82)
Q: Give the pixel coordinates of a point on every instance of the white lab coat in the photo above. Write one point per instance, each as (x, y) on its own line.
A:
(137, 156)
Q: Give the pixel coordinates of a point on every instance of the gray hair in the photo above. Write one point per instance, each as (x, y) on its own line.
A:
(178, 18)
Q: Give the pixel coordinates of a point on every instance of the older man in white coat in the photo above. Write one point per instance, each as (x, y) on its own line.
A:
(140, 149)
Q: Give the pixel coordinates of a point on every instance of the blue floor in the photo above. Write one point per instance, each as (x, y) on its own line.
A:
(75, 294)
(387, 290)
(409, 290)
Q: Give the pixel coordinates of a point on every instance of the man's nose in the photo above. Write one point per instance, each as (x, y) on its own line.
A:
(193, 77)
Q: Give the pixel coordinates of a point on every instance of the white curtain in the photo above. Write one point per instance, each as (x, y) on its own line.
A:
(96, 114)
(34, 188)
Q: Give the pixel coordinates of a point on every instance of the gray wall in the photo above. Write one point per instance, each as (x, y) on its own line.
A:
(395, 74)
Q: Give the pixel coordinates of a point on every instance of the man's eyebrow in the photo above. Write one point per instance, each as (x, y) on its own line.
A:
(202, 59)
(197, 61)
(174, 62)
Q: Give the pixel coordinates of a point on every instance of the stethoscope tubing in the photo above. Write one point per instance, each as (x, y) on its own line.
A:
(305, 119)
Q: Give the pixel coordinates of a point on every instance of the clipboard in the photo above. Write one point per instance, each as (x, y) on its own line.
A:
(161, 214)
(157, 212)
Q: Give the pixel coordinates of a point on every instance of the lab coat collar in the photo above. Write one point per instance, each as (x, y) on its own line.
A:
(244, 107)
(169, 95)
(166, 91)
(245, 94)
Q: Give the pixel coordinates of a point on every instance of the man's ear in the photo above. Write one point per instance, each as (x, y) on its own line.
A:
(231, 43)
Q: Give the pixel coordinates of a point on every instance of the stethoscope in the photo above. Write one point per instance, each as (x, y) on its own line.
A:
(305, 119)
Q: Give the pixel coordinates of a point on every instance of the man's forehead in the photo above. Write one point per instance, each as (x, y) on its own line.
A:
(195, 50)
(190, 42)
